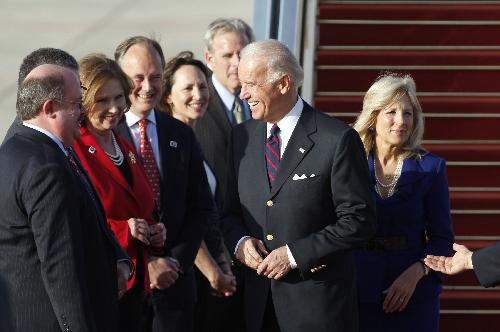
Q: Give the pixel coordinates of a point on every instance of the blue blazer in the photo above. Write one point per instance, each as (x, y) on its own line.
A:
(418, 210)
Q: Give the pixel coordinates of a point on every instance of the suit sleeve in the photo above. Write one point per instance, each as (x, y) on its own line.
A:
(486, 263)
(353, 202)
(437, 215)
(232, 225)
(199, 207)
(55, 222)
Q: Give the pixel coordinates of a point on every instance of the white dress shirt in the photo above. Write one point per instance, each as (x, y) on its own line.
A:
(133, 124)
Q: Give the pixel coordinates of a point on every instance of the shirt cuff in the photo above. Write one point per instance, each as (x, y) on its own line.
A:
(130, 265)
(293, 263)
(238, 244)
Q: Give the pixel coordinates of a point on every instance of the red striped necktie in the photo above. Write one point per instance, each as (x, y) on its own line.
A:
(272, 154)
(148, 160)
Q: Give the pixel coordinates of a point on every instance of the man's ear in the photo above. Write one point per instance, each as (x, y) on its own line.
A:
(209, 59)
(48, 108)
(285, 84)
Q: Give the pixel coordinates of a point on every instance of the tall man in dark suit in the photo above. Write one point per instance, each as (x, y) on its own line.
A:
(224, 40)
(59, 258)
(298, 201)
(173, 160)
(44, 55)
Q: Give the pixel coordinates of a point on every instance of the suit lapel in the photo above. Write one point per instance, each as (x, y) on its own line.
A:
(259, 169)
(298, 147)
(217, 109)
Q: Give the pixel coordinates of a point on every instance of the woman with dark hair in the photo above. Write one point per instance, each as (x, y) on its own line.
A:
(118, 176)
(186, 98)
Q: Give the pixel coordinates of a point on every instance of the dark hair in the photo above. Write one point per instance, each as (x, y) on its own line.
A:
(46, 55)
(95, 71)
(124, 46)
(184, 58)
(33, 93)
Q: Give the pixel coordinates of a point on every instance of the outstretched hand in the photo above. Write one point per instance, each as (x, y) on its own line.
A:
(461, 261)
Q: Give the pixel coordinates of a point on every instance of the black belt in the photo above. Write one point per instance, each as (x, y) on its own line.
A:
(389, 243)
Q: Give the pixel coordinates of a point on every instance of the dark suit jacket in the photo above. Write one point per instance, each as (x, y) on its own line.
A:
(186, 200)
(321, 218)
(212, 131)
(486, 263)
(58, 255)
(14, 127)
(121, 201)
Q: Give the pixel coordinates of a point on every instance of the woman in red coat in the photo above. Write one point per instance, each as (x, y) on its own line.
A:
(118, 176)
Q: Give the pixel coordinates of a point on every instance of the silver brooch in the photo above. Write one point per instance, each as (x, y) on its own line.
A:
(132, 157)
(92, 149)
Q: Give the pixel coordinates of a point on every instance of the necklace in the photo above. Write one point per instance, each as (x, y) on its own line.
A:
(387, 190)
(116, 158)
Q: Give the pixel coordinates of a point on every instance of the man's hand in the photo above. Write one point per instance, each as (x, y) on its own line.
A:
(123, 272)
(276, 265)
(251, 252)
(139, 229)
(461, 261)
(157, 235)
(163, 272)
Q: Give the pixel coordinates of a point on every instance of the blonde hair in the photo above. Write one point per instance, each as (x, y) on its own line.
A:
(387, 89)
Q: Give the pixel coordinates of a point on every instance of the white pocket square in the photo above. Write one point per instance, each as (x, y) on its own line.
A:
(297, 177)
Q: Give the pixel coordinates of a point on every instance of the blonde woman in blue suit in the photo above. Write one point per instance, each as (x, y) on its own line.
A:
(396, 290)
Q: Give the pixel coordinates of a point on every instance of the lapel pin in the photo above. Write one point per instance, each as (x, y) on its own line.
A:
(91, 149)
(132, 157)
(173, 144)
(302, 150)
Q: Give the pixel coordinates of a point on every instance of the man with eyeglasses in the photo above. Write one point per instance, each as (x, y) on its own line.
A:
(60, 262)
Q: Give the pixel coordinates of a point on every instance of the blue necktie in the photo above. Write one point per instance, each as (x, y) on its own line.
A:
(272, 154)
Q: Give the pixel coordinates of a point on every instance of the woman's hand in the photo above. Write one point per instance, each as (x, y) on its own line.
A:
(223, 284)
(139, 229)
(399, 293)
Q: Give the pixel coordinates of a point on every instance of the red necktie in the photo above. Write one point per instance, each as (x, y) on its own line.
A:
(272, 154)
(148, 159)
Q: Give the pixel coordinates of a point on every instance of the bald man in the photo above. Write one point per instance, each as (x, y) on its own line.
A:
(59, 259)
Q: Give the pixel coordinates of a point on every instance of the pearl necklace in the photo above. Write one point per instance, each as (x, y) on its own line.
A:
(117, 158)
(380, 187)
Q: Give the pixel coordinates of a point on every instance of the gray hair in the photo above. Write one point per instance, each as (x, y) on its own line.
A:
(385, 91)
(223, 25)
(34, 92)
(279, 59)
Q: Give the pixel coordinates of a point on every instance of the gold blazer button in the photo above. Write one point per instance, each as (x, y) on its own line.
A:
(270, 203)
(269, 237)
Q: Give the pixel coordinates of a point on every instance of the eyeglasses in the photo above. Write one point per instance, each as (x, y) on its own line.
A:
(78, 103)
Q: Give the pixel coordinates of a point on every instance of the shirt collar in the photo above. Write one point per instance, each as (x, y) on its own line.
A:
(289, 121)
(48, 133)
(225, 95)
(132, 119)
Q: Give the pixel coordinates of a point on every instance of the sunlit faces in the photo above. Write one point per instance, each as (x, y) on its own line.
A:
(143, 65)
(108, 107)
(224, 59)
(263, 97)
(395, 123)
(189, 96)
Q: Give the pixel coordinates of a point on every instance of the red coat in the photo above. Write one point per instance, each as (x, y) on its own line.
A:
(120, 201)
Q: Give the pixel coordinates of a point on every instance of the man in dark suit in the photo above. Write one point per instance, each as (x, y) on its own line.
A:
(224, 40)
(44, 55)
(298, 201)
(59, 258)
(176, 171)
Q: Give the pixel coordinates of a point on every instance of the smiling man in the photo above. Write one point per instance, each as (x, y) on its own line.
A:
(298, 201)
(174, 168)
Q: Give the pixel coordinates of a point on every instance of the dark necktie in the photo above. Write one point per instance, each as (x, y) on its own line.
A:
(83, 178)
(272, 154)
(148, 160)
(238, 113)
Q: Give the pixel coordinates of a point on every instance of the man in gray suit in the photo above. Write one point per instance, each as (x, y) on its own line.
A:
(60, 262)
